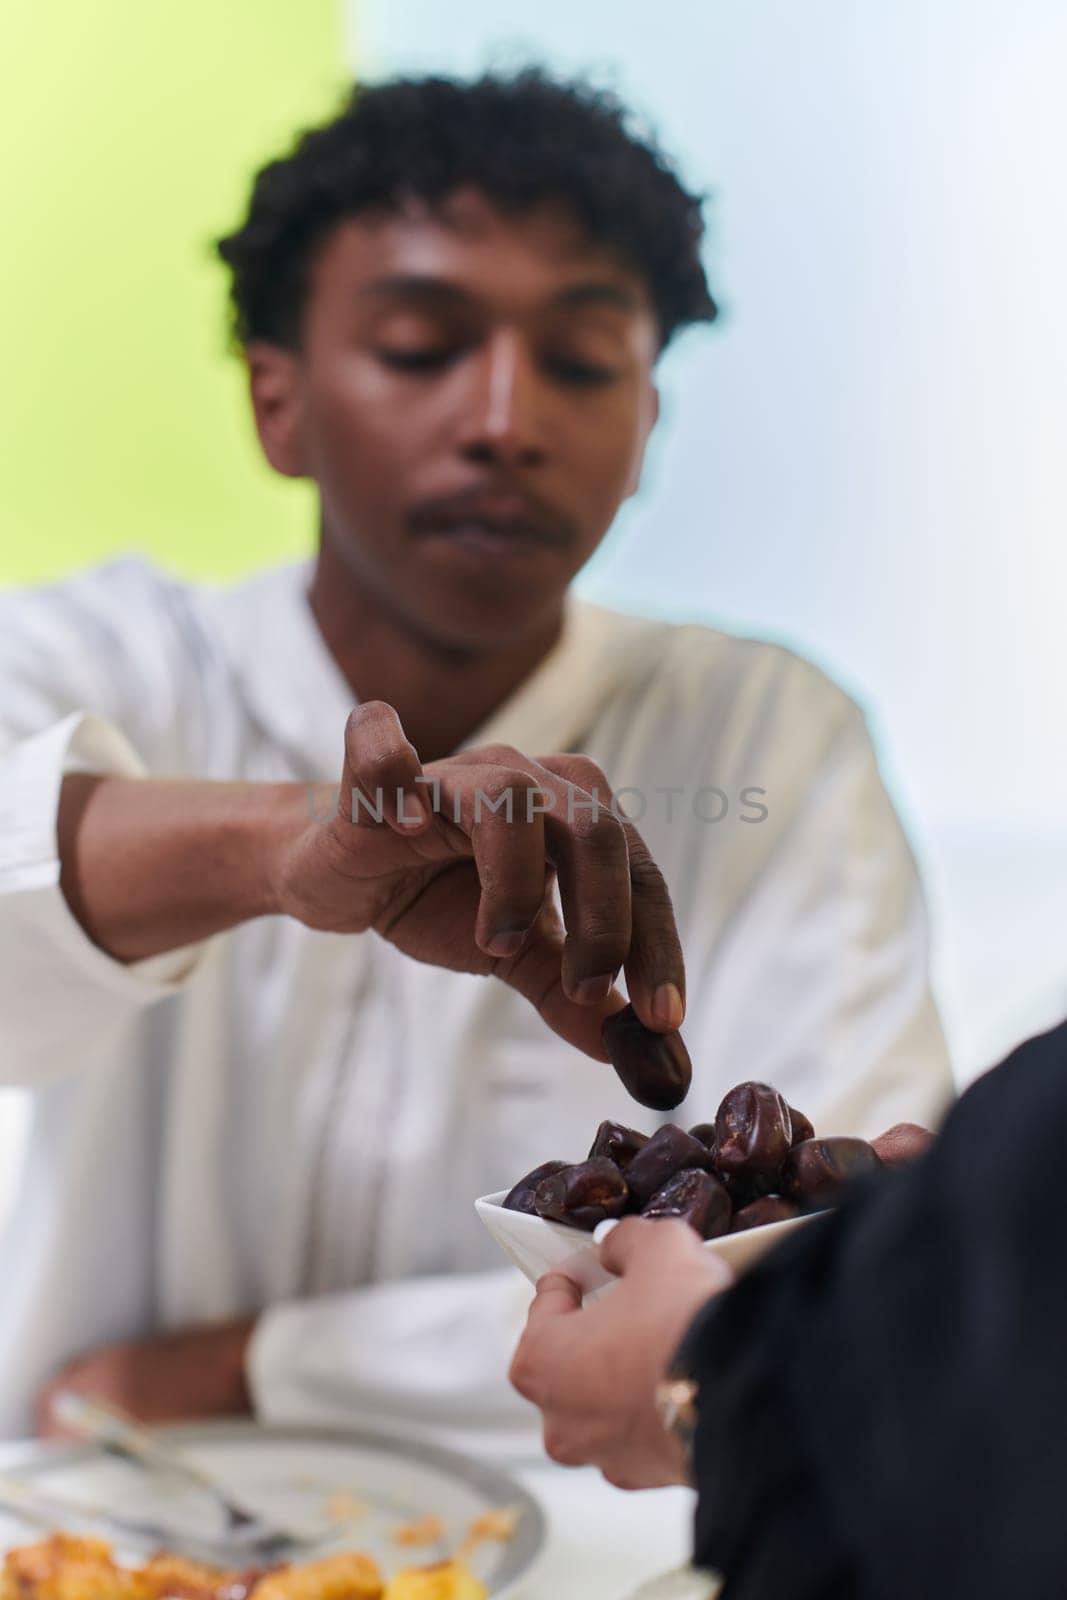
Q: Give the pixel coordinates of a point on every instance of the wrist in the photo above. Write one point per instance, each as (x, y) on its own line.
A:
(277, 830)
(677, 1393)
(149, 865)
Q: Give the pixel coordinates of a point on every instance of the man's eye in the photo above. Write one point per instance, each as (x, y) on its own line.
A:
(586, 374)
(422, 360)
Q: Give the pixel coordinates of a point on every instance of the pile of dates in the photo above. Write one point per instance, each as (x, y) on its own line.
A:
(758, 1162)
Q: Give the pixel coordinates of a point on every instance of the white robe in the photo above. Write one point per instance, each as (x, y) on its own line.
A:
(301, 1121)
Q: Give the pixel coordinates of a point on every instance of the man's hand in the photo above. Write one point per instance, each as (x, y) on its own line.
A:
(593, 1372)
(173, 1377)
(459, 872)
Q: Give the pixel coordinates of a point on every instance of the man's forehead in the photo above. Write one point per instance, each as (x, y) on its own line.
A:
(467, 239)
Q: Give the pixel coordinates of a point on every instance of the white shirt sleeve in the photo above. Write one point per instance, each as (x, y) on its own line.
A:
(821, 983)
(59, 993)
(421, 1357)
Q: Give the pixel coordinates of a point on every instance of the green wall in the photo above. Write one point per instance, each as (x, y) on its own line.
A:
(128, 134)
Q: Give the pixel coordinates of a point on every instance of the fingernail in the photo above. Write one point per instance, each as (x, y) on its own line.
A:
(590, 991)
(506, 944)
(667, 1006)
(602, 1229)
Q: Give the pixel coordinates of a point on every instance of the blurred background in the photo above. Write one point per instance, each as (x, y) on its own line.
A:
(864, 458)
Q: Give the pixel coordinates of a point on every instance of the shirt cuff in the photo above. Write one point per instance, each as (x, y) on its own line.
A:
(57, 988)
(419, 1358)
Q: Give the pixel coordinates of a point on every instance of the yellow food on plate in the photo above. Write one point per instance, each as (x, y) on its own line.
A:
(344, 1506)
(445, 1580)
(344, 1577)
(499, 1524)
(424, 1530)
(65, 1567)
(169, 1577)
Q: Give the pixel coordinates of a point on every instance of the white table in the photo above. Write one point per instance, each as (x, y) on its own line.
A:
(603, 1542)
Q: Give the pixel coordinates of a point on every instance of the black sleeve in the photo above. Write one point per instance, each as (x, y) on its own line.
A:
(883, 1401)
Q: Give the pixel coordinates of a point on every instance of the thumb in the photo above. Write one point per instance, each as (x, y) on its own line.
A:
(639, 1243)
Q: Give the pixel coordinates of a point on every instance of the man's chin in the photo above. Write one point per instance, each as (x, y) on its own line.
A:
(486, 622)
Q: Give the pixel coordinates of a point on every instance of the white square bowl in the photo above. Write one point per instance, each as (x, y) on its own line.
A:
(536, 1246)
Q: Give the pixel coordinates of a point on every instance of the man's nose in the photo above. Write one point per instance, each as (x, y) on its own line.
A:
(504, 422)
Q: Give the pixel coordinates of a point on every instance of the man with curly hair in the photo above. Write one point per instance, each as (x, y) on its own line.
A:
(258, 1129)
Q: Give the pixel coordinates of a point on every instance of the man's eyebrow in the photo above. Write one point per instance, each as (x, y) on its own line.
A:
(416, 286)
(444, 291)
(599, 292)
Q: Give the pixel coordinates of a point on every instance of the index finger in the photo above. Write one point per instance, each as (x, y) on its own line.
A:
(655, 969)
(557, 1296)
(382, 766)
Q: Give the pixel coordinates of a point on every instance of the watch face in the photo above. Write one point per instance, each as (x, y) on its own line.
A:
(676, 1403)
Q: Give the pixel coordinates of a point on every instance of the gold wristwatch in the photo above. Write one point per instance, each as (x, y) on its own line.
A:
(676, 1403)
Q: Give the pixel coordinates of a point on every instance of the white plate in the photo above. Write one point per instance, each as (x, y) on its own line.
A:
(294, 1473)
(537, 1246)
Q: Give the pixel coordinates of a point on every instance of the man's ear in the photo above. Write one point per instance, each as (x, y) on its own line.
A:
(649, 418)
(274, 384)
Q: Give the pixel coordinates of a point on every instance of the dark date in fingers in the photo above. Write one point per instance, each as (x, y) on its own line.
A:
(654, 1067)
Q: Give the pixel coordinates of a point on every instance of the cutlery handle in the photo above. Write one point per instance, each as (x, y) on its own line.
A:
(112, 1430)
(52, 1513)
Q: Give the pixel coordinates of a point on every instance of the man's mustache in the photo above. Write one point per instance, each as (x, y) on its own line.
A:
(499, 506)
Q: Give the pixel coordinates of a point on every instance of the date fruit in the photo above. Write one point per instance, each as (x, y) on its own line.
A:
(816, 1171)
(758, 1163)
(618, 1143)
(744, 1187)
(753, 1132)
(521, 1197)
(669, 1150)
(654, 1067)
(802, 1128)
(582, 1195)
(696, 1197)
(758, 1213)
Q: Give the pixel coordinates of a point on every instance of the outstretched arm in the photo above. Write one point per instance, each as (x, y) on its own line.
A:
(455, 865)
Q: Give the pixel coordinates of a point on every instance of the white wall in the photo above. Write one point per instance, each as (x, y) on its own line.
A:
(866, 458)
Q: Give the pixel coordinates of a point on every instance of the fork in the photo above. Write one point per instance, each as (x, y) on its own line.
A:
(42, 1509)
(246, 1530)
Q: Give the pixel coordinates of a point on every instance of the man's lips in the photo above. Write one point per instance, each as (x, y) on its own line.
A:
(492, 521)
(489, 536)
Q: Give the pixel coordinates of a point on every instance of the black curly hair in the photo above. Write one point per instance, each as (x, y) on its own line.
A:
(520, 138)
